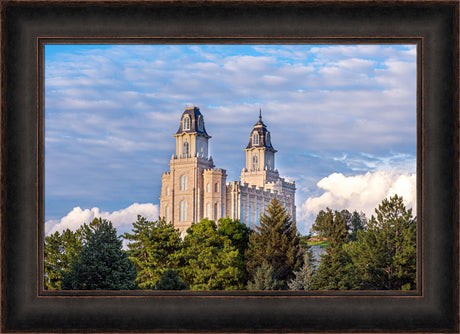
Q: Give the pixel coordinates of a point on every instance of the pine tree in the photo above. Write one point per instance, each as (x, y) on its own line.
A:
(357, 222)
(152, 249)
(209, 261)
(336, 270)
(275, 242)
(304, 277)
(170, 281)
(385, 254)
(265, 279)
(102, 264)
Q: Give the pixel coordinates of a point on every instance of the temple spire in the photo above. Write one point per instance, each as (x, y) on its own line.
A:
(260, 114)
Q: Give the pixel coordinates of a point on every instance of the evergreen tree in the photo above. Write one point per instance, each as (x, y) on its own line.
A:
(336, 270)
(304, 277)
(209, 261)
(275, 242)
(357, 222)
(170, 281)
(102, 264)
(265, 279)
(385, 254)
(152, 249)
(61, 251)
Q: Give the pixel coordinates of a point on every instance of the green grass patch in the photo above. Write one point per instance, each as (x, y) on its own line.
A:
(322, 244)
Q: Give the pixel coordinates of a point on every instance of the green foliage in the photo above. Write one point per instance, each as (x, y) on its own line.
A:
(60, 252)
(322, 223)
(101, 264)
(265, 279)
(357, 223)
(152, 249)
(238, 233)
(336, 270)
(209, 261)
(385, 254)
(277, 243)
(171, 281)
(304, 277)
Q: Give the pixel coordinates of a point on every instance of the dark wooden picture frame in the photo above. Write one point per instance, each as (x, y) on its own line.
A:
(27, 25)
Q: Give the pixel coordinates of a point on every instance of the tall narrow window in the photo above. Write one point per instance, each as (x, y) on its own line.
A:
(183, 211)
(185, 150)
(183, 182)
(208, 188)
(255, 162)
(200, 123)
(167, 214)
(186, 123)
(208, 210)
(167, 191)
(255, 139)
(216, 187)
(215, 211)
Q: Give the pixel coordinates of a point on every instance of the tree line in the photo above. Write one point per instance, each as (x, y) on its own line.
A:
(227, 255)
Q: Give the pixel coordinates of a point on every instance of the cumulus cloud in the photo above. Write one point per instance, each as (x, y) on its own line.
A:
(362, 192)
(121, 219)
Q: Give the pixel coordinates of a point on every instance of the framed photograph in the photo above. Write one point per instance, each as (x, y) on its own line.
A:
(67, 131)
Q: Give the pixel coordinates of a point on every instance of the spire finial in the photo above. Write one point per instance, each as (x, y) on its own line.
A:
(260, 114)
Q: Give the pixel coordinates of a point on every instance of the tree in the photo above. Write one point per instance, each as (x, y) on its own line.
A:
(238, 233)
(385, 255)
(304, 277)
(170, 281)
(152, 249)
(60, 251)
(265, 279)
(336, 270)
(102, 264)
(275, 242)
(322, 223)
(357, 222)
(208, 260)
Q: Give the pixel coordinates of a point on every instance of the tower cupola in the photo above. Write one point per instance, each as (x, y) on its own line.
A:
(260, 136)
(260, 154)
(191, 137)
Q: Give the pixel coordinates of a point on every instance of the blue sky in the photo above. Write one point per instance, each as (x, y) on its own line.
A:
(342, 117)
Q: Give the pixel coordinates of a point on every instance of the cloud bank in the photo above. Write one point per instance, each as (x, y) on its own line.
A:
(359, 192)
(121, 219)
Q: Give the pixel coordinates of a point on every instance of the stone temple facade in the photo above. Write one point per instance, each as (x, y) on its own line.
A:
(194, 189)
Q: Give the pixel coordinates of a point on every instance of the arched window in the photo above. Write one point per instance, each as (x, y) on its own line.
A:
(183, 210)
(267, 138)
(255, 139)
(208, 188)
(255, 162)
(215, 211)
(200, 123)
(167, 191)
(208, 210)
(183, 182)
(185, 149)
(186, 123)
(167, 214)
(216, 187)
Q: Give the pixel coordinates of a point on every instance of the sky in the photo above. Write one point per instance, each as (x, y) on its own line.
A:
(342, 118)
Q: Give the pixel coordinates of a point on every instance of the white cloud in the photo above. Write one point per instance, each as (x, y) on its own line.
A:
(121, 219)
(360, 192)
